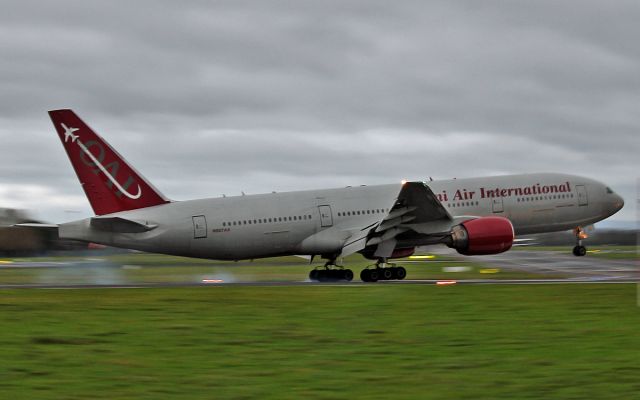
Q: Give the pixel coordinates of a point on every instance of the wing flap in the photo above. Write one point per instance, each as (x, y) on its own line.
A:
(398, 212)
(354, 246)
(392, 223)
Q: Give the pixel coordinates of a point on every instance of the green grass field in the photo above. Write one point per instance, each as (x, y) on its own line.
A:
(322, 342)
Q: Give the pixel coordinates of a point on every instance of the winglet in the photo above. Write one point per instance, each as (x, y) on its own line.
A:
(110, 183)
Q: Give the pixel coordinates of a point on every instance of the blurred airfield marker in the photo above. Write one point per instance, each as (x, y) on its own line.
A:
(212, 281)
(456, 269)
(489, 270)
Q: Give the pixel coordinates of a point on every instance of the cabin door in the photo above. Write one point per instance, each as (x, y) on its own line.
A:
(582, 195)
(199, 227)
(326, 218)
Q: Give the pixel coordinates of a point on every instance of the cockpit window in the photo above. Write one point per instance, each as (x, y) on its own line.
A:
(609, 190)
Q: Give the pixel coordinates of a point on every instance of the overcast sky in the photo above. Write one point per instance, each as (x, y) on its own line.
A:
(212, 97)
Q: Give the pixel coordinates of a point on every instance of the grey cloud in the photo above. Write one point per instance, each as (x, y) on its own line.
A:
(280, 95)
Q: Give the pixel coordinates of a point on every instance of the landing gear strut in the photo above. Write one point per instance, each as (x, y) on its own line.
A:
(382, 271)
(579, 250)
(331, 273)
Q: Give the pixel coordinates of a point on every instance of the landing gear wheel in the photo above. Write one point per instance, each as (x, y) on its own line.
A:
(579, 251)
(347, 275)
(383, 272)
(365, 275)
(373, 275)
(313, 275)
(331, 275)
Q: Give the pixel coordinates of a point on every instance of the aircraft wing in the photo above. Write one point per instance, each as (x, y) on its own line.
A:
(416, 210)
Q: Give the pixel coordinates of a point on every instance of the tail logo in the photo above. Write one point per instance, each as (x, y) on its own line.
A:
(68, 135)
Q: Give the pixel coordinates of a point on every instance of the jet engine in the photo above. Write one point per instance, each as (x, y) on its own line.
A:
(481, 236)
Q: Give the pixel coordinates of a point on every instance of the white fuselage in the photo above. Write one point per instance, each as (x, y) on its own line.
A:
(318, 222)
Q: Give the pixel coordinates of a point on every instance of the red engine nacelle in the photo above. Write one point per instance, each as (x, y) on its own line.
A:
(485, 235)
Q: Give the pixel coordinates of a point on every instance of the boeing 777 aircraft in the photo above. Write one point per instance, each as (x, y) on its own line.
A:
(474, 216)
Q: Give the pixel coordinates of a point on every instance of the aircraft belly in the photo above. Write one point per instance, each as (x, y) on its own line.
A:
(247, 243)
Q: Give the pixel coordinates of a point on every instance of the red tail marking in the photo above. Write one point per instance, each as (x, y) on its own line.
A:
(110, 183)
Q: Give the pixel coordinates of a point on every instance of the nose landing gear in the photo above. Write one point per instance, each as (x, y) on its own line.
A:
(579, 250)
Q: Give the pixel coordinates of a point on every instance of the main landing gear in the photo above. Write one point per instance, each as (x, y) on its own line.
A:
(382, 271)
(331, 273)
(579, 250)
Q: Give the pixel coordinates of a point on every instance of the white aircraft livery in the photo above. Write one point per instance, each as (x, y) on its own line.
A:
(474, 216)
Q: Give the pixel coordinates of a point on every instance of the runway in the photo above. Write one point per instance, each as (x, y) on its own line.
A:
(568, 269)
(431, 282)
(552, 262)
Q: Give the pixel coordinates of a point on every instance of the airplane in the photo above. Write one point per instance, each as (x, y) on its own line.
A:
(474, 216)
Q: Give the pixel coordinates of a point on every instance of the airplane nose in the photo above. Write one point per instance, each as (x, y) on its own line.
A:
(619, 202)
(616, 204)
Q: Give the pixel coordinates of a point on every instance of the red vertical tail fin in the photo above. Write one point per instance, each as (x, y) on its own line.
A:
(110, 183)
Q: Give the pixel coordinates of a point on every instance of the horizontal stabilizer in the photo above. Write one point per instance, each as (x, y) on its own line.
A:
(120, 225)
(37, 226)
